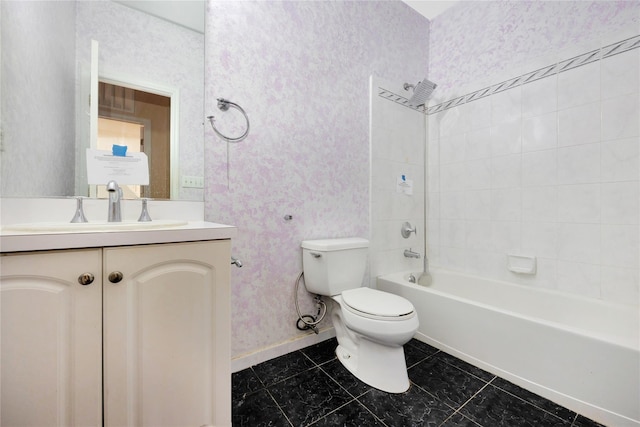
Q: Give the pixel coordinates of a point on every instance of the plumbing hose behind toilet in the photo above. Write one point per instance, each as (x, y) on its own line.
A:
(303, 323)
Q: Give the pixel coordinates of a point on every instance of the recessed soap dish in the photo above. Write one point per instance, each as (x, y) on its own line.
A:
(521, 264)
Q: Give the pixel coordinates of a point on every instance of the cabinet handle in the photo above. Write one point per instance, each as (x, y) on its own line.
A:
(115, 276)
(85, 279)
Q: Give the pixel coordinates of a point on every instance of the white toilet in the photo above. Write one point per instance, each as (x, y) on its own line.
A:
(371, 325)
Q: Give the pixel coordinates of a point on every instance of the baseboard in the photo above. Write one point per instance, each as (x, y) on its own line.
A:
(247, 360)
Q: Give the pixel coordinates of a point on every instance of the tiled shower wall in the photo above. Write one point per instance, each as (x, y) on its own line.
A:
(397, 133)
(548, 169)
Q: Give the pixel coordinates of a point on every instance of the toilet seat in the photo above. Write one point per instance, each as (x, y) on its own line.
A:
(375, 304)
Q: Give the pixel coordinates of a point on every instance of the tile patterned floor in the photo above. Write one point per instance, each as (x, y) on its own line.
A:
(310, 387)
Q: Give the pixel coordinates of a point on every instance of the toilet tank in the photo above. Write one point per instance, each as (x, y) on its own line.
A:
(332, 266)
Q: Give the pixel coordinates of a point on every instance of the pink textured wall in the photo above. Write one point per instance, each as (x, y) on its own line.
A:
(301, 71)
(475, 40)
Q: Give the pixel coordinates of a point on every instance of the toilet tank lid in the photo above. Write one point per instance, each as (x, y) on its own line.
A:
(335, 244)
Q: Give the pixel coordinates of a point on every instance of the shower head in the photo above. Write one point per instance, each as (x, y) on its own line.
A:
(421, 92)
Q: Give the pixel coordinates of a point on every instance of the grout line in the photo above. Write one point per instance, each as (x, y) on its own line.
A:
(433, 396)
(573, 422)
(305, 355)
(370, 411)
(348, 403)
(538, 407)
(329, 413)
(462, 415)
(471, 398)
(258, 377)
(427, 356)
(290, 376)
(279, 407)
(340, 385)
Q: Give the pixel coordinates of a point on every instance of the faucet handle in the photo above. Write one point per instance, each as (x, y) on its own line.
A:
(79, 215)
(144, 215)
(406, 230)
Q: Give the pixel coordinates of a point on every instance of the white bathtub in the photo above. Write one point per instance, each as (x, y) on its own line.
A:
(579, 352)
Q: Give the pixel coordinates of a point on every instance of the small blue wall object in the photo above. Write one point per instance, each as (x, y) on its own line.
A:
(119, 150)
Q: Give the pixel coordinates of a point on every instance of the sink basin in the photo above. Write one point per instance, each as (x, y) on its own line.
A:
(94, 226)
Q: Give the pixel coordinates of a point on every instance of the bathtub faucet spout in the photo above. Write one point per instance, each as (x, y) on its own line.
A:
(411, 254)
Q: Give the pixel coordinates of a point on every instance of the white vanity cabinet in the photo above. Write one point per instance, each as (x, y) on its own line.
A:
(166, 362)
(145, 344)
(51, 339)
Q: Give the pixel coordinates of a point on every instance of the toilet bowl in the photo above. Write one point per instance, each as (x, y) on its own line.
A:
(371, 326)
(370, 343)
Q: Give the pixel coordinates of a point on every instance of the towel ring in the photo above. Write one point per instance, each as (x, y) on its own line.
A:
(223, 105)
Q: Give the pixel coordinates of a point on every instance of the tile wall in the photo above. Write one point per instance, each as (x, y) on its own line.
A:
(397, 133)
(549, 169)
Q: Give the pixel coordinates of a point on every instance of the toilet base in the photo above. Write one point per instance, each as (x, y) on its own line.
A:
(379, 366)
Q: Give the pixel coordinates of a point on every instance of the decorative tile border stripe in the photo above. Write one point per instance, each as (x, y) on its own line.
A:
(586, 58)
(398, 99)
(620, 47)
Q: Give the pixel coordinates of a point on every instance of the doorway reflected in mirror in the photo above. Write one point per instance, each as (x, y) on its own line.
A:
(141, 121)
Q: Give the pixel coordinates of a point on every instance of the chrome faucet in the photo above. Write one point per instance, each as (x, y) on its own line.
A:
(115, 194)
(410, 254)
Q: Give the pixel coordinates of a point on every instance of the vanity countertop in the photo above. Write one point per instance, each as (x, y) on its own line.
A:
(17, 241)
(173, 222)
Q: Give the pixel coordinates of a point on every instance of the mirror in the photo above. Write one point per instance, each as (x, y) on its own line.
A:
(45, 86)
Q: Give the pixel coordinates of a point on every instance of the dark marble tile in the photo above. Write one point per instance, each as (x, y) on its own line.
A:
(353, 414)
(324, 395)
(448, 383)
(346, 379)
(534, 399)
(256, 410)
(309, 396)
(275, 370)
(581, 421)
(496, 408)
(415, 407)
(459, 420)
(244, 382)
(417, 352)
(429, 350)
(322, 352)
(467, 367)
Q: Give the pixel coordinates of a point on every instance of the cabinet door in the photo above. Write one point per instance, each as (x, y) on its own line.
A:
(166, 335)
(51, 349)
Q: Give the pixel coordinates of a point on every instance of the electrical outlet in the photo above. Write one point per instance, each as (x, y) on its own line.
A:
(192, 181)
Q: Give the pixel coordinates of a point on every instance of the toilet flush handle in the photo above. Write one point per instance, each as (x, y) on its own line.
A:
(315, 254)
